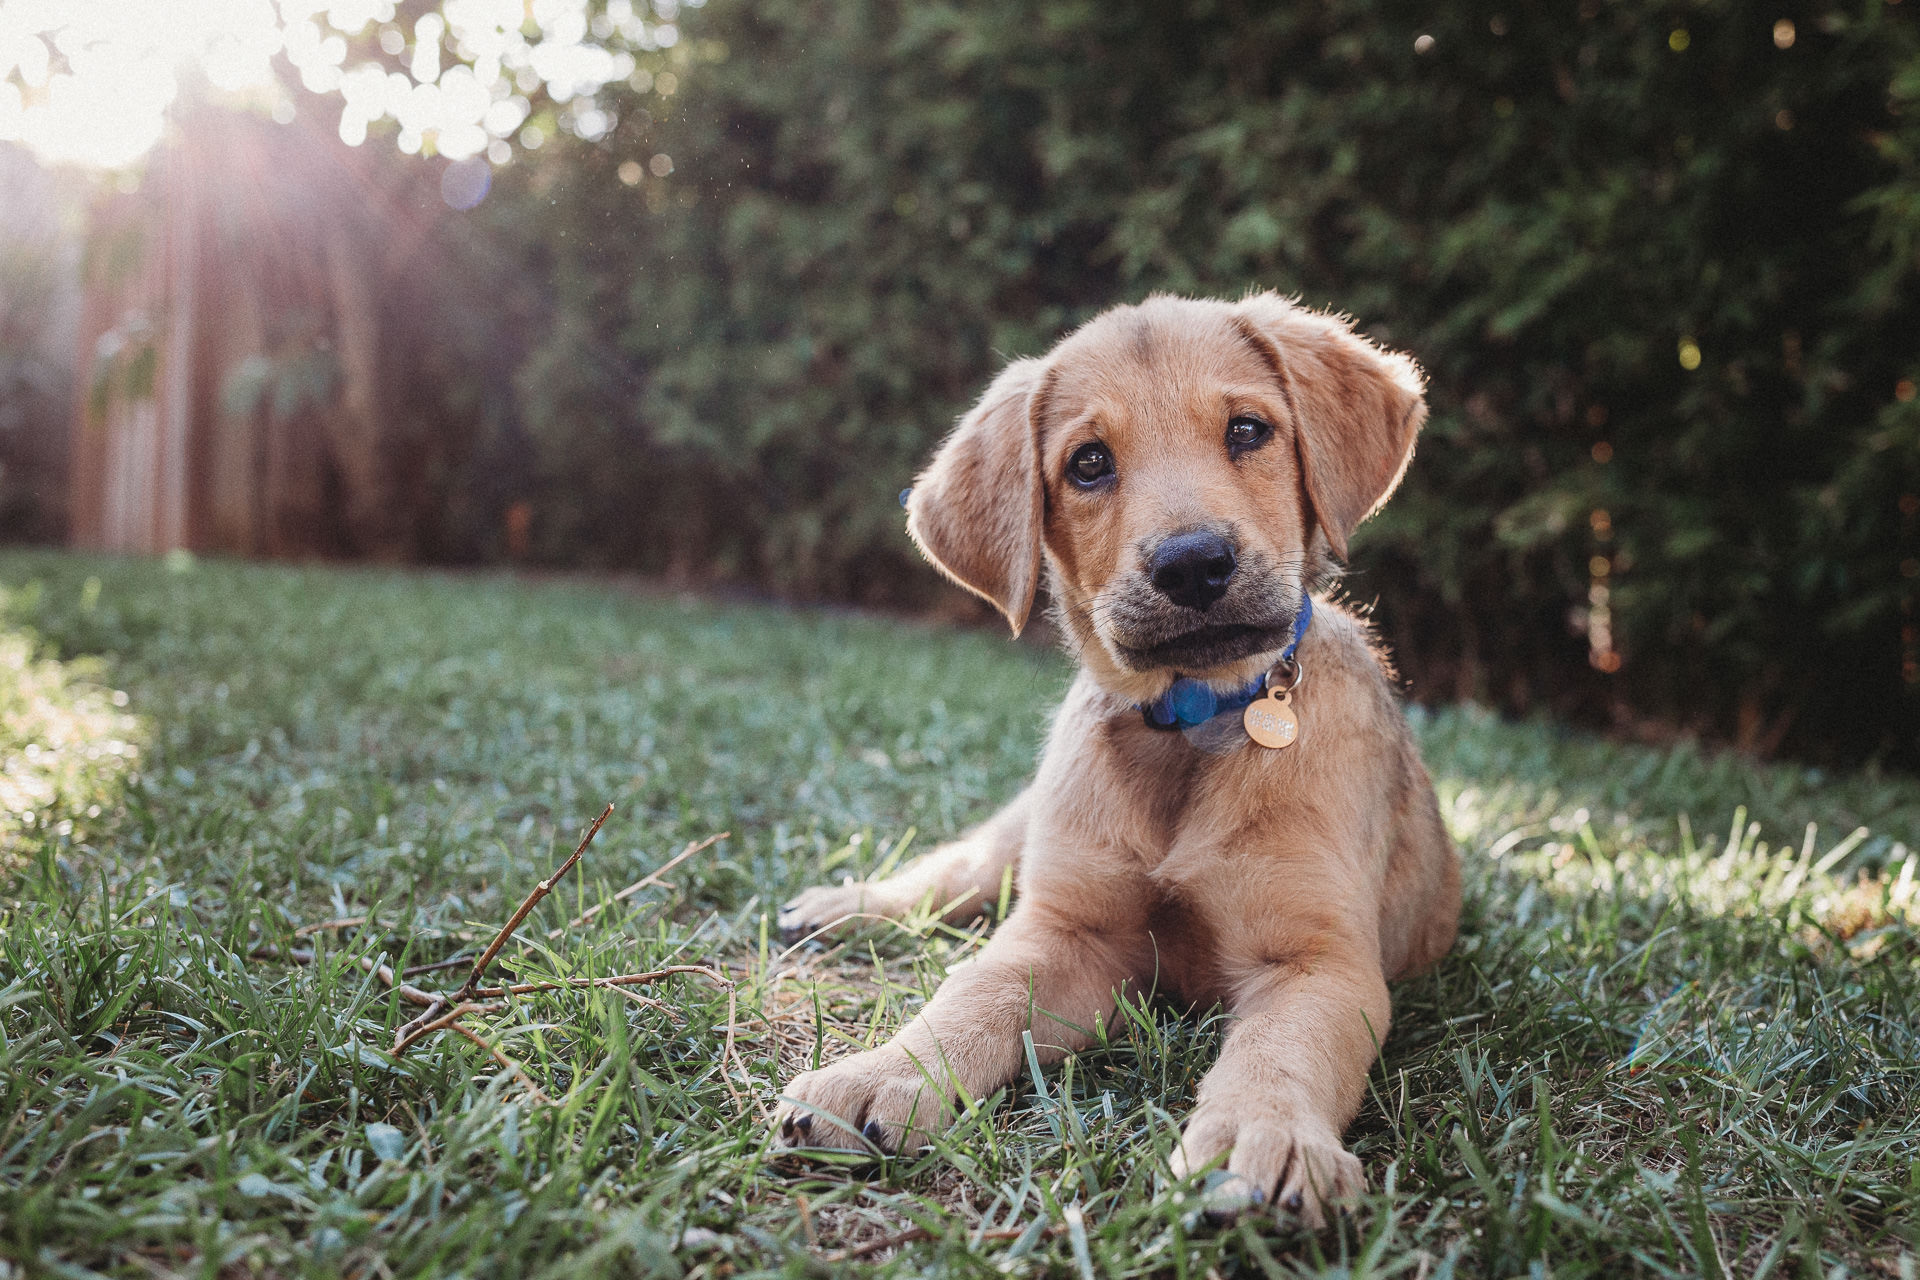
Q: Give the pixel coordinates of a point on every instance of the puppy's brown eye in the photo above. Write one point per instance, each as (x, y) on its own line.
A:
(1246, 432)
(1089, 465)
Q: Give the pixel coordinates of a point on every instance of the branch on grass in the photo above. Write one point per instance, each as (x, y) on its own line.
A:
(445, 1012)
(418, 1026)
(421, 1029)
(618, 980)
(540, 891)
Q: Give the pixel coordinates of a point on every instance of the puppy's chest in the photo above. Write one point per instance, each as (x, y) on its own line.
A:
(1173, 791)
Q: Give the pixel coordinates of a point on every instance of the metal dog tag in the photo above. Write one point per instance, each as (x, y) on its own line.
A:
(1270, 720)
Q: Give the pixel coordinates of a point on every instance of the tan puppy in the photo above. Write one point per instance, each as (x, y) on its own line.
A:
(1186, 472)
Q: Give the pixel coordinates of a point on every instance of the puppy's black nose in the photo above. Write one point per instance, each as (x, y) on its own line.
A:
(1192, 569)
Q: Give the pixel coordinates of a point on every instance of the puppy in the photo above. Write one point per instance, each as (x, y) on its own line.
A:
(1185, 473)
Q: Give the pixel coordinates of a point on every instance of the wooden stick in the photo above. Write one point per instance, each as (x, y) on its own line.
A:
(441, 1023)
(540, 891)
(621, 980)
(446, 1012)
(417, 1026)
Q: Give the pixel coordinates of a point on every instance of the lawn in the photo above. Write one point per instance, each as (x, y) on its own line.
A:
(1680, 1033)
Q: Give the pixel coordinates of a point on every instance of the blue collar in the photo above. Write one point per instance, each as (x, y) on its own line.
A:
(1189, 703)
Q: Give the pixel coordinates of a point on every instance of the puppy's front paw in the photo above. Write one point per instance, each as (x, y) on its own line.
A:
(823, 907)
(1298, 1166)
(877, 1101)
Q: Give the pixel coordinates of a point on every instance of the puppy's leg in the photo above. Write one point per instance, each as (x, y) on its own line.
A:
(959, 879)
(1420, 900)
(1040, 972)
(1291, 1074)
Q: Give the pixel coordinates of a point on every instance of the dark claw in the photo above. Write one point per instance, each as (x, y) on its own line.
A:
(803, 1125)
(873, 1133)
(792, 929)
(1223, 1215)
(1296, 1202)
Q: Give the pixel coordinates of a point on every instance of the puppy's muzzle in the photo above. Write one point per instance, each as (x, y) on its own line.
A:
(1192, 569)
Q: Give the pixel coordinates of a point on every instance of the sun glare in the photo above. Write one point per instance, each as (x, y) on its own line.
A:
(90, 82)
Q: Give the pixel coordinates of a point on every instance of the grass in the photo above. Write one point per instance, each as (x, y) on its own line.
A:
(1678, 1035)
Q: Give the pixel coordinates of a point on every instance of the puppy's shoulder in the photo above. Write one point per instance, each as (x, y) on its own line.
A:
(1343, 641)
(1350, 675)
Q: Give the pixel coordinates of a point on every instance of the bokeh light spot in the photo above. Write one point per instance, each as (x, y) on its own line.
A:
(465, 183)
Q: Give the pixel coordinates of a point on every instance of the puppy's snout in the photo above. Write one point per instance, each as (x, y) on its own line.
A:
(1192, 569)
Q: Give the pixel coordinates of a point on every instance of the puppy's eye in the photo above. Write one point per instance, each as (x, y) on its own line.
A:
(1089, 465)
(1246, 432)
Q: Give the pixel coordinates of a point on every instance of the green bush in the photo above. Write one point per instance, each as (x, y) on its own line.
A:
(1659, 260)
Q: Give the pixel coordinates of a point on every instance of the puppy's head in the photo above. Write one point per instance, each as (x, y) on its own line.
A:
(1184, 468)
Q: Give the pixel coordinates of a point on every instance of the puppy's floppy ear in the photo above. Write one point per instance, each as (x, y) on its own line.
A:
(1356, 409)
(976, 510)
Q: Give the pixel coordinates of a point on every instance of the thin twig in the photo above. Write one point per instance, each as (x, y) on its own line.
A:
(651, 878)
(442, 1023)
(445, 1012)
(539, 1094)
(540, 891)
(412, 1029)
(620, 980)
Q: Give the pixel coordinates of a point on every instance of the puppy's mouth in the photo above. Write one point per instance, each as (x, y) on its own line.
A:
(1208, 646)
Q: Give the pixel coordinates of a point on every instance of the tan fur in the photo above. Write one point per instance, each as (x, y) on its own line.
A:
(1289, 884)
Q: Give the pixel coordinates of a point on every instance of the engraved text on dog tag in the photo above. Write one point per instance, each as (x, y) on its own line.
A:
(1270, 720)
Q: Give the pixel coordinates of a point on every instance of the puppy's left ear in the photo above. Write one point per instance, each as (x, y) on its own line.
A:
(1356, 409)
(976, 510)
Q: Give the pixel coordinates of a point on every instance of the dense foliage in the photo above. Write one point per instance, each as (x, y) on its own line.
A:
(1660, 261)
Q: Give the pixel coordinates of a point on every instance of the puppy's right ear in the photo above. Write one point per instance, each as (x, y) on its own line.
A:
(976, 510)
